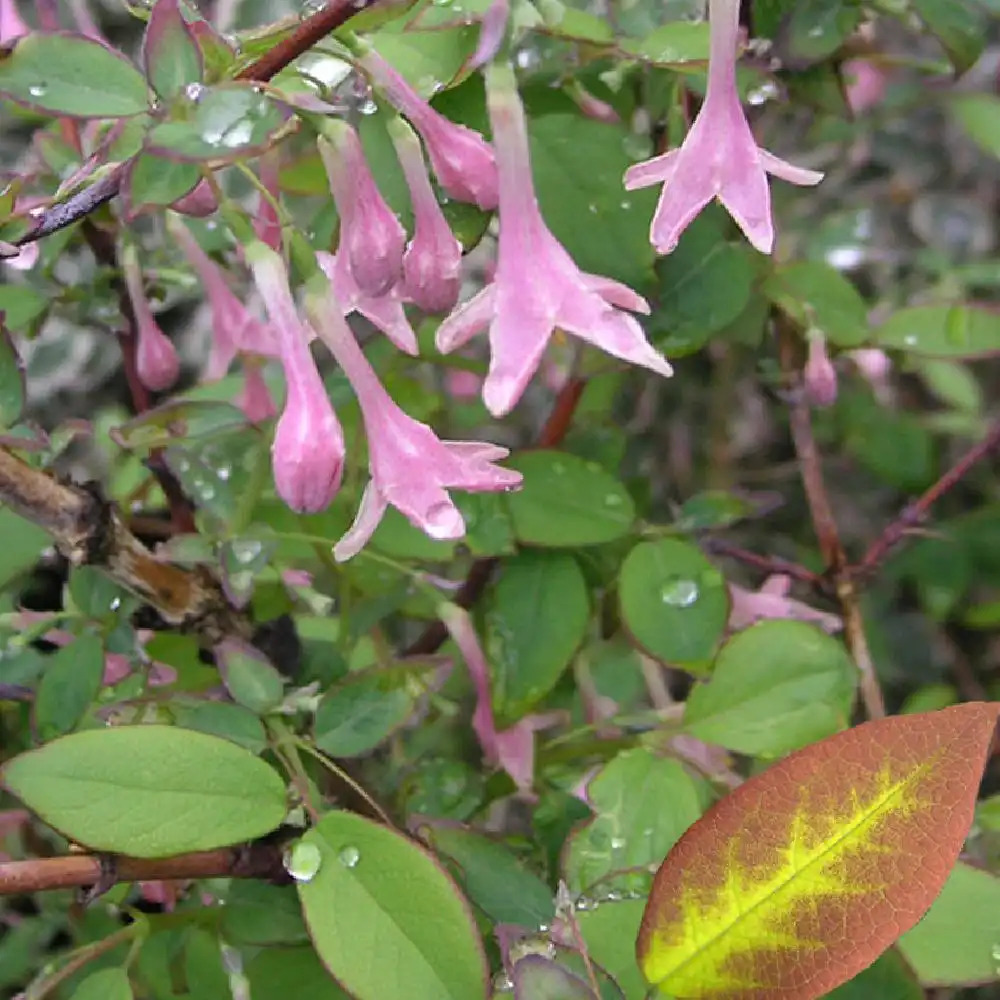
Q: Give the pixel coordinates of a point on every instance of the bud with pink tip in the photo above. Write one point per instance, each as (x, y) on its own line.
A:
(433, 258)
(308, 450)
(462, 160)
(370, 234)
(156, 357)
(819, 375)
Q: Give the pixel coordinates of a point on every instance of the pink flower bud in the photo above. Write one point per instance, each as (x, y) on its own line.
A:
(433, 258)
(11, 23)
(308, 450)
(370, 233)
(266, 224)
(864, 84)
(198, 202)
(156, 358)
(820, 376)
(462, 160)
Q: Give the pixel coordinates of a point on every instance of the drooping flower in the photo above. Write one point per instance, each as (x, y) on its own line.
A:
(198, 202)
(411, 468)
(819, 376)
(462, 160)
(719, 158)
(308, 450)
(255, 397)
(383, 311)
(156, 357)
(433, 257)
(537, 287)
(266, 223)
(513, 748)
(234, 328)
(492, 30)
(371, 237)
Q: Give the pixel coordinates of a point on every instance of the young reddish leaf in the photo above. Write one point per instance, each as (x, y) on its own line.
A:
(805, 874)
(170, 55)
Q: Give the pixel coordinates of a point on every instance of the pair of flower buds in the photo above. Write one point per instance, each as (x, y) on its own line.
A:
(536, 287)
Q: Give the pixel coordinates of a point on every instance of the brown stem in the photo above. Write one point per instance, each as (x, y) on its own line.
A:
(552, 433)
(88, 531)
(821, 513)
(915, 513)
(769, 564)
(312, 30)
(259, 860)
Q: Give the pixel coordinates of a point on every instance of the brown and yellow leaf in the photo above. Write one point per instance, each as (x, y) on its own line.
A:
(805, 874)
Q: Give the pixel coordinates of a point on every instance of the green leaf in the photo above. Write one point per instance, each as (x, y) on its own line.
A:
(218, 124)
(418, 938)
(280, 973)
(817, 28)
(956, 943)
(704, 285)
(249, 677)
(71, 75)
(671, 44)
(642, 805)
(219, 718)
(429, 60)
(153, 182)
(566, 501)
(578, 165)
(178, 421)
(958, 25)
(819, 297)
(259, 914)
(540, 978)
(105, 984)
(11, 379)
(358, 715)
(887, 979)
(492, 877)
(69, 686)
(23, 543)
(609, 930)
(537, 617)
(775, 687)
(170, 55)
(21, 304)
(148, 791)
(979, 115)
(673, 601)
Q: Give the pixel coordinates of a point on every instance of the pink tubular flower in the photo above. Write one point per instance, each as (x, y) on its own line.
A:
(233, 327)
(198, 202)
(308, 450)
(266, 224)
(513, 749)
(383, 311)
(433, 258)
(537, 286)
(255, 397)
(772, 601)
(156, 357)
(411, 468)
(11, 23)
(371, 236)
(719, 158)
(462, 160)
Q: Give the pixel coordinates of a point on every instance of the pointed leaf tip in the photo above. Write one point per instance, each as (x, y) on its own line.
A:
(802, 876)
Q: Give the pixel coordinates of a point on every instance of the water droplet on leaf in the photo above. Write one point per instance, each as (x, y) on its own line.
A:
(349, 856)
(302, 861)
(679, 593)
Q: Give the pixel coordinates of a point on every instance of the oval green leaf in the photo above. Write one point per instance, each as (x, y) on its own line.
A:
(566, 501)
(105, 984)
(942, 331)
(674, 602)
(148, 791)
(170, 55)
(63, 74)
(418, 937)
(356, 716)
(774, 688)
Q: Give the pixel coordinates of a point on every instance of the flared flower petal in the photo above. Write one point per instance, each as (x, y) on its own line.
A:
(719, 158)
(537, 287)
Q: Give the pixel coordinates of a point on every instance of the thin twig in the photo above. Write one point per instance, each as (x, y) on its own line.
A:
(769, 564)
(312, 30)
(916, 513)
(552, 433)
(824, 522)
(260, 860)
(88, 531)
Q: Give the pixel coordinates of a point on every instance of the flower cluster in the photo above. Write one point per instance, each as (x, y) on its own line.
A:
(378, 269)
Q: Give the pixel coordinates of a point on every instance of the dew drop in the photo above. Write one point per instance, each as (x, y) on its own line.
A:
(617, 843)
(194, 92)
(349, 856)
(585, 904)
(679, 593)
(245, 550)
(116, 603)
(37, 90)
(910, 340)
(302, 861)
